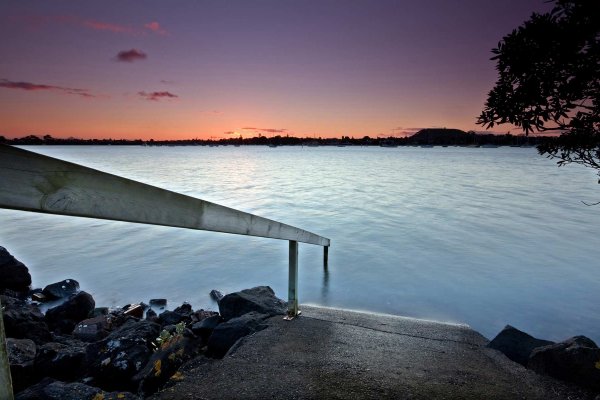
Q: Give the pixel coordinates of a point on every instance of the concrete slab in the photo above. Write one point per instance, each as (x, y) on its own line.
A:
(339, 354)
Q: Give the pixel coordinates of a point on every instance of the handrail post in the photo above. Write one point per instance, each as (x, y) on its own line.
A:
(6, 391)
(325, 257)
(293, 282)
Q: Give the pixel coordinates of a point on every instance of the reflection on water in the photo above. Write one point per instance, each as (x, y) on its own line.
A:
(481, 236)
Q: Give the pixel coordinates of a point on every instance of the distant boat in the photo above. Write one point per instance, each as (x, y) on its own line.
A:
(272, 145)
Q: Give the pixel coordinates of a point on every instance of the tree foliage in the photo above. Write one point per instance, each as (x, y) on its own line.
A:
(549, 81)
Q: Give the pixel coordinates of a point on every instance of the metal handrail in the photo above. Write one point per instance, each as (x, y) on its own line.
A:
(34, 182)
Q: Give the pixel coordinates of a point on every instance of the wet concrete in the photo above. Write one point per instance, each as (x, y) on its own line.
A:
(339, 354)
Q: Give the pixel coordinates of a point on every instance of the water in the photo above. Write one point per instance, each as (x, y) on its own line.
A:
(481, 236)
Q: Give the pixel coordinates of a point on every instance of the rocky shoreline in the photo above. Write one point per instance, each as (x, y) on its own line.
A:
(77, 350)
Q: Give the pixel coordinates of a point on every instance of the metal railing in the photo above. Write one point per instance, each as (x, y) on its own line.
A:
(33, 182)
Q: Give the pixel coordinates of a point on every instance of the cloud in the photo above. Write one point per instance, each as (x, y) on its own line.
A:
(269, 130)
(229, 132)
(39, 21)
(106, 26)
(156, 28)
(167, 82)
(131, 55)
(28, 86)
(156, 96)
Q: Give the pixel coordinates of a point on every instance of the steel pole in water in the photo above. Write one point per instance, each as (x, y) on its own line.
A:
(293, 281)
(325, 257)
(6, 392)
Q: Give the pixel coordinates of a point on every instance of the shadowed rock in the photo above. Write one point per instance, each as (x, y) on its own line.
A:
(62, 361)
(516, 345)
(260, 299)
(65, 316)
(24, 321)
(14, 275)
(21, 355)
(50, 389)
(62, 289)
(227, 333)
(574, 360)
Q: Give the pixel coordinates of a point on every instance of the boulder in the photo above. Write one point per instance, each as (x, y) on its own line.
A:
(21, 355)
(205, 327)
(114, 360)
(161, 303)
(516, 345)
(216, 295)
(151, 315)
(135, 310)
(260, 299)
(64, 317)
(14, 274)
(226, 334)
(92, 329)
(50, 389)
(62, 289)
(183, 313)
(575, 360)
(165, 362)
(24, 321)
(64, 361)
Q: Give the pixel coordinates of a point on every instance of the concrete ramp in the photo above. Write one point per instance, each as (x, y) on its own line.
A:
(338, 354)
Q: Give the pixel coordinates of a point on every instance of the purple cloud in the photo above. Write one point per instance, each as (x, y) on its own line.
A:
(131, 55)
(28, 86)
(156, 96)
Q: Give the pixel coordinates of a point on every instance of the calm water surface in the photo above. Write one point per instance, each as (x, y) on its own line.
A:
(481, 236)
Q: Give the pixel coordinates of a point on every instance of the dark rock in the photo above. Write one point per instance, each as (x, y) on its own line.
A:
(64, 361)
(50, 389)
(574, 360)
(21, 355)
(151, 315)
(227, 333)
(14, 293)
(158, 303)
(135, 310)
(216, 295)
(516, 345)
(92, 329)
(182, 313)
(64, 317)
(24, 321)
(165, 362)
(98, 311)
(114, 360)
(199, 315)
(261, 299)
(62, 289)
(13, 273)
(205, 327)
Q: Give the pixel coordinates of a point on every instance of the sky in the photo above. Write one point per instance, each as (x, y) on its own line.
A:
(217, 69)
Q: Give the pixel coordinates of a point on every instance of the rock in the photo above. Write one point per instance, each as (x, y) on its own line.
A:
(216, 295)
(98, 311)
(24, 321)
(64, 317)
(135, 310)
(182, 313)
(151, 315)
(62, 289)
(165, 362)
(261, 299)
(516, 345)
(64, 361)
(13, 273)
(161, 303)
(205, 327)
(114, 360)
(226, 334)
(575, 360)
(201, 314)
(21, 355)
(92, 329)
(50, 389)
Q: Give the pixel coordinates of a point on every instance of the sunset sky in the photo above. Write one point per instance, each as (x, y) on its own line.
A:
(187, 69)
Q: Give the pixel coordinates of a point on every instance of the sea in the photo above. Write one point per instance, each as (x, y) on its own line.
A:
(481, 236)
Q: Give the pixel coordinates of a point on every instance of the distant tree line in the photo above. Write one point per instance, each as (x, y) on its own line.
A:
(439, 137)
